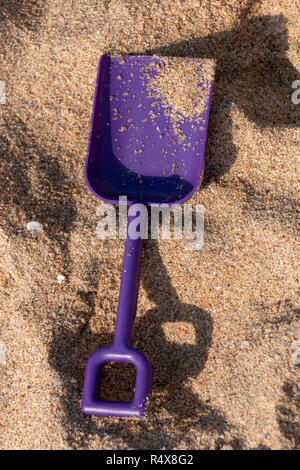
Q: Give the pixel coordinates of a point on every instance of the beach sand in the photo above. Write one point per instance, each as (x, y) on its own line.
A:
(221, 324)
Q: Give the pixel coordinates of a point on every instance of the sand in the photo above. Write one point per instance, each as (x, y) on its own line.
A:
(220, 324)
(182, 86)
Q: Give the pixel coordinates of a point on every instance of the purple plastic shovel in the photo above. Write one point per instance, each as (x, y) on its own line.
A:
(137, 149)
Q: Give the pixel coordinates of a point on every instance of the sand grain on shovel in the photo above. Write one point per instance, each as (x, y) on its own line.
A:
(182, 87)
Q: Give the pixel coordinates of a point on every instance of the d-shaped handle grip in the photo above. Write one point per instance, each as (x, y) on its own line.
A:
(91, 403)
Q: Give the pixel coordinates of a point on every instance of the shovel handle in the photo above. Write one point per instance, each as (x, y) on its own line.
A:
(92, 405)
(121, 350)
(129, 289)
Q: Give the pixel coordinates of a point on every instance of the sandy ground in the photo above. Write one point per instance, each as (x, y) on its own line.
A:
(221, 324)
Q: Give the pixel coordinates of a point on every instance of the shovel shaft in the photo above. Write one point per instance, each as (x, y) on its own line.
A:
(128, 290)
(121, 350)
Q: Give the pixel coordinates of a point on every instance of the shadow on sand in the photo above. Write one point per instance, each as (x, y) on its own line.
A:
(174, 364)
(253, 72)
